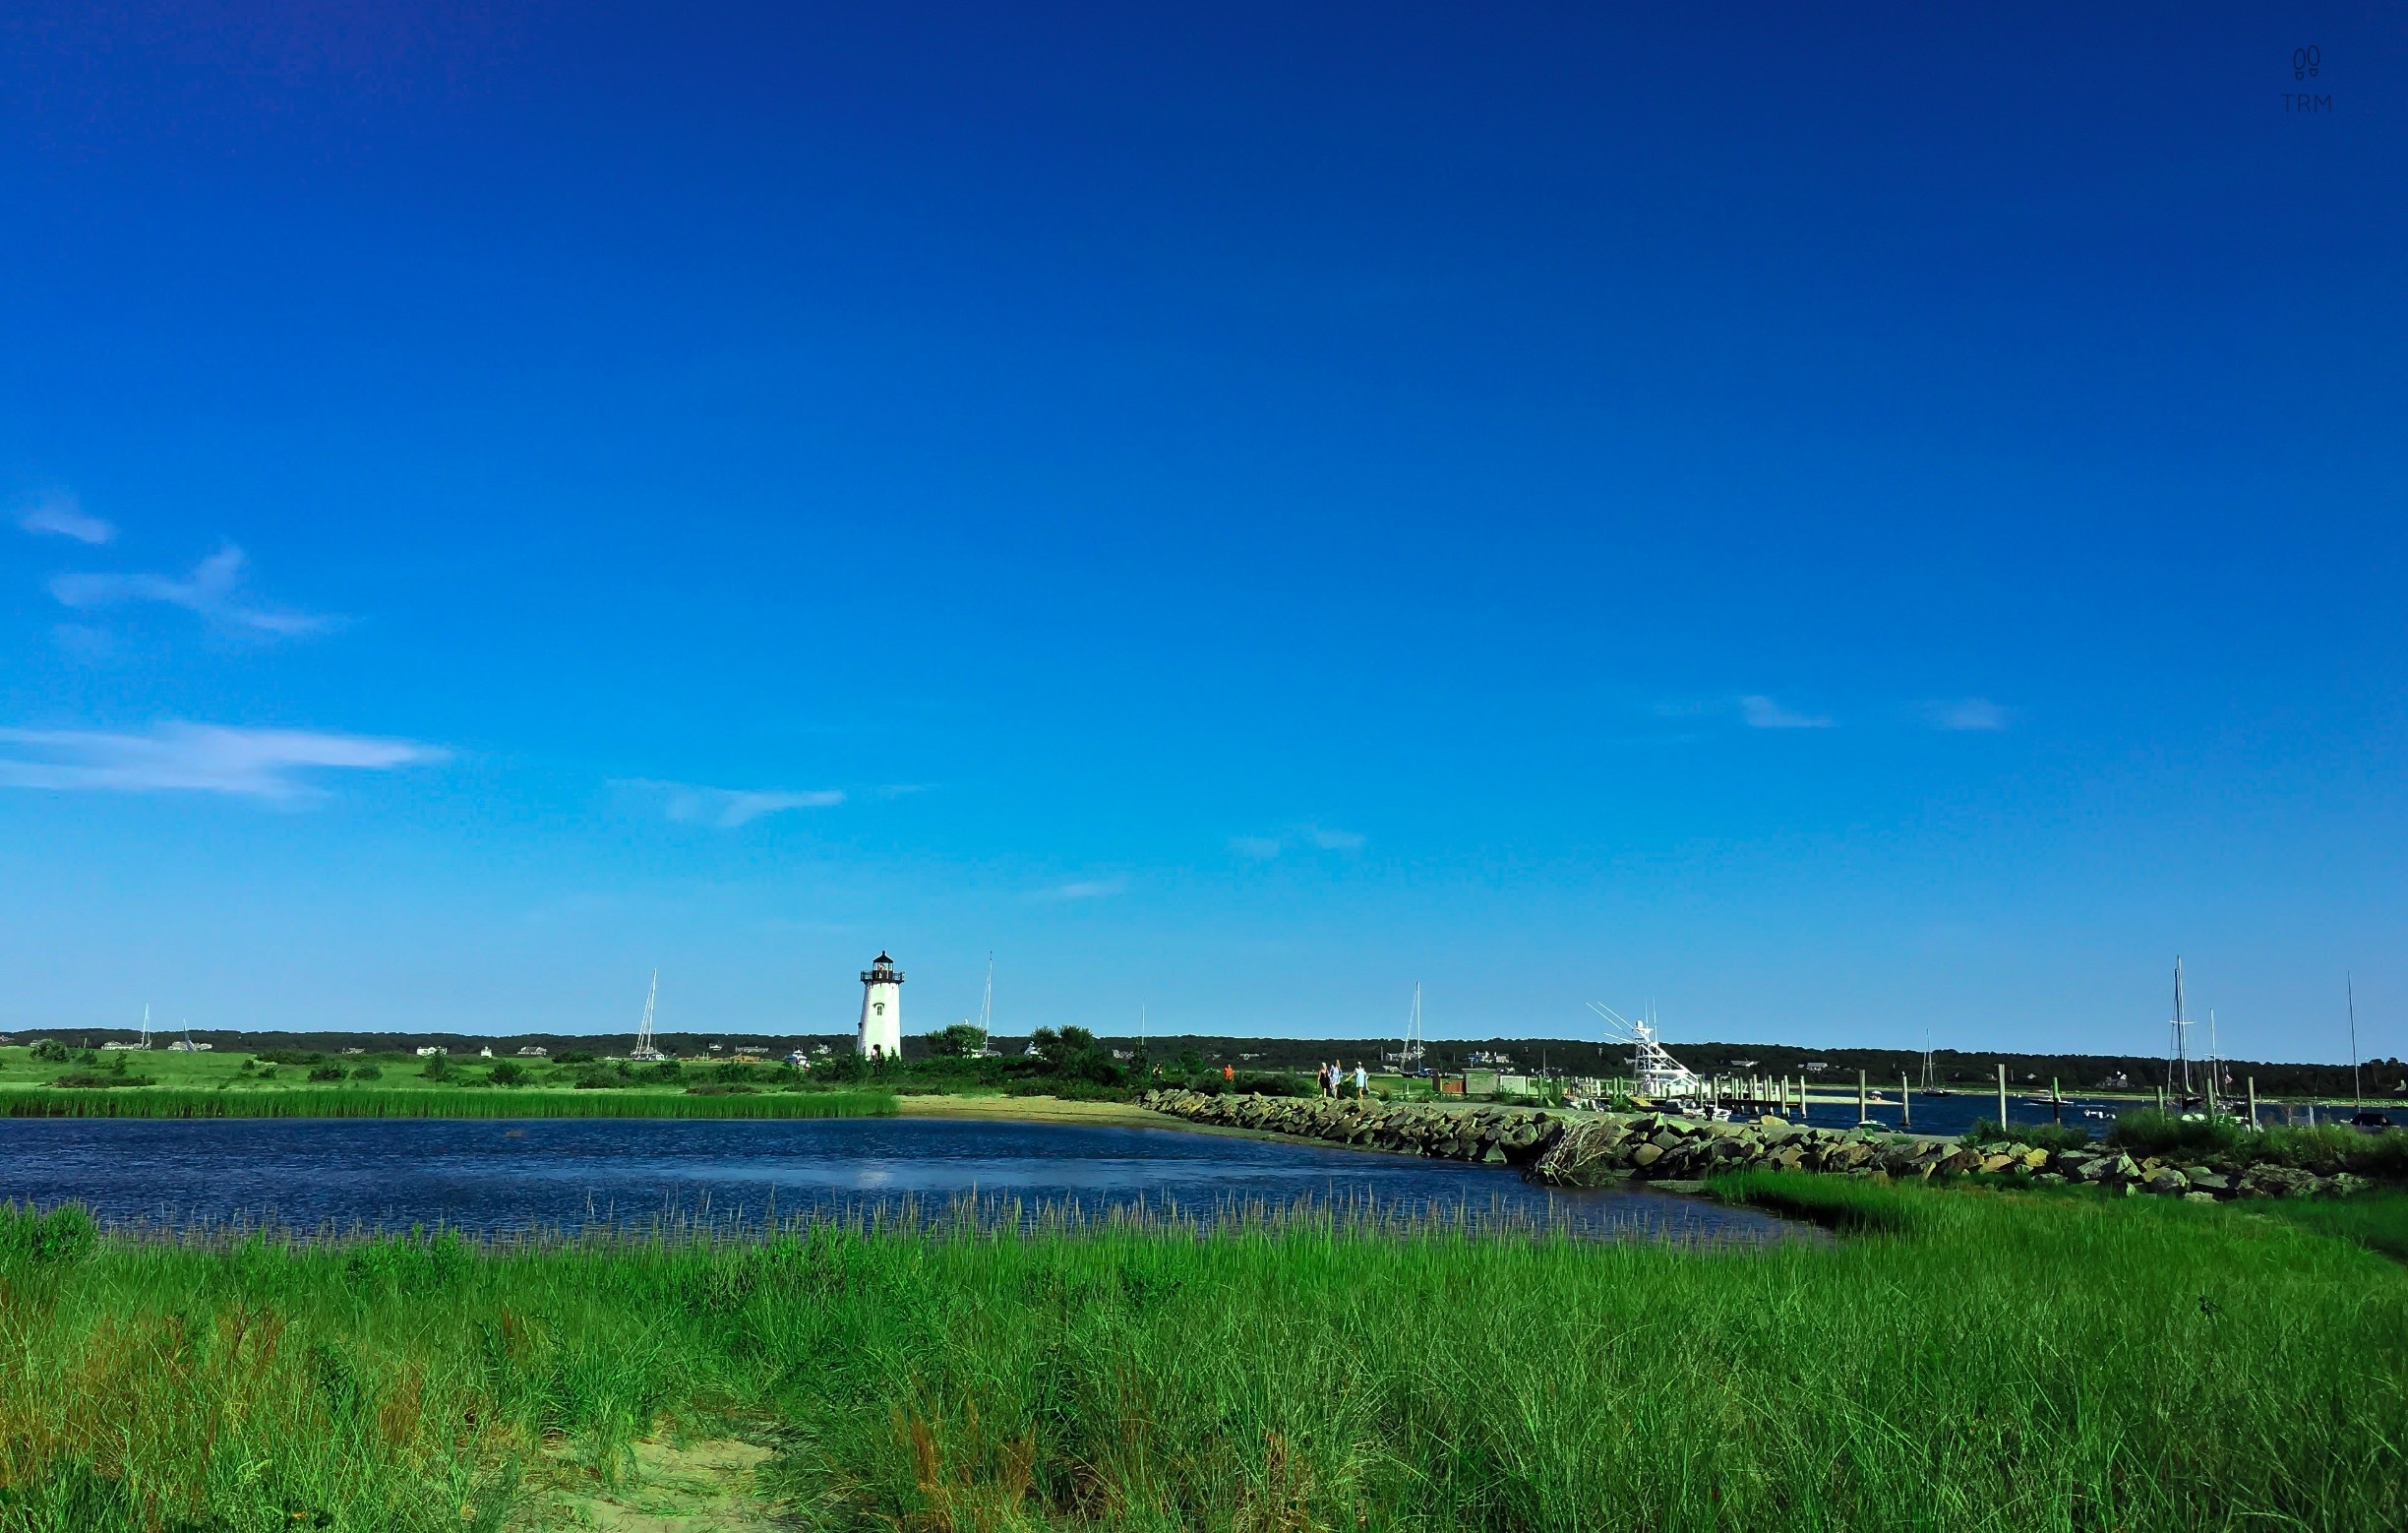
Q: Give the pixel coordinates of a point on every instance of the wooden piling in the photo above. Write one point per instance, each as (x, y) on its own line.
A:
(2253, 1095)
(1864, 1114)
(2002, 1096)
(1905, 1106)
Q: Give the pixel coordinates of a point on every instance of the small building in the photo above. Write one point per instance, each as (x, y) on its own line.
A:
(526, 1051)
(432, 1050)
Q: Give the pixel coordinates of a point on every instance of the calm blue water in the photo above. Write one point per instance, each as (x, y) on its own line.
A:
(570, 1173)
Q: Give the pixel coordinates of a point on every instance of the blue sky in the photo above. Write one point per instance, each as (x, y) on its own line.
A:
(1852, 529)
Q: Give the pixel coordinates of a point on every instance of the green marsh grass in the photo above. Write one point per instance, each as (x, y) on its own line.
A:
(1978, 1360)
(370, 1102)
(2376, 1220)
(2325, 1148)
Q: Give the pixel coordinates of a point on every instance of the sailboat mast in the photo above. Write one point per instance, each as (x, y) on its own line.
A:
(2181, 1058)
(2357, 1090)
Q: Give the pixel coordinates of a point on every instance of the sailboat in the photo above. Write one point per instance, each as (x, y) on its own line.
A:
(1931, 1086)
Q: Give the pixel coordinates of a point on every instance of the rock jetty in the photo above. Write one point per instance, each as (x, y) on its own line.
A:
(1594, 1149)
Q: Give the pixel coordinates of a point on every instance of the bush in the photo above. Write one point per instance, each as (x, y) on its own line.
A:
(1252, 1084)
(573, 1056)
(508, 1072)
(722, 1088)
(64, 1234)
(2149, 1131)
(291, 1057)
(327, 1073)
(2040, 1135)
(439, 1068)
(50, 1051)
(2323, 1149)
(368, 1073)
(99, 1080)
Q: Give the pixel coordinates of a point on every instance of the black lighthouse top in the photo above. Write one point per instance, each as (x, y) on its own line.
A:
(882, 972)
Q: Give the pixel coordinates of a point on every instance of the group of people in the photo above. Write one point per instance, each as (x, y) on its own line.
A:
(1334, 1076)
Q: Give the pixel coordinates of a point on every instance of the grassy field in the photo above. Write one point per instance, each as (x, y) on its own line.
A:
(158, 1083)
(1968, 1359)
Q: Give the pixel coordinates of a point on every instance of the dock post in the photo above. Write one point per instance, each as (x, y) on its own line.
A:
(1864, 1114)
(2253, 1093)
(1905, 1106)
(2056, 1101)
(2001, 1098)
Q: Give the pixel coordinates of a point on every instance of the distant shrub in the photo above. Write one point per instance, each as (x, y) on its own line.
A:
(439, 1068)
(573, 1056)
(99, 1080)
(368, 1073)
(50, 1051)
(291, 1057)
(722, 1088)
(510, 1072)
(327, 1073)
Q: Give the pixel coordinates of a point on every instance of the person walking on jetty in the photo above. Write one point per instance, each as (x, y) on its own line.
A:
(1363, 1081)
(1321, 1080)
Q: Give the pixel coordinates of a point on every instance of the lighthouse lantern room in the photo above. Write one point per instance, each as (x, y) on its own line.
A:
(882, 1018)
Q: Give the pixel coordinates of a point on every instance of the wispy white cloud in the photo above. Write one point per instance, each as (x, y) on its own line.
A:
(725, 808)
(1762, 712)
(62, 516)
(267, 764)
(1967, 714)
(1262, 848)
(213, 590)
(1090, 889)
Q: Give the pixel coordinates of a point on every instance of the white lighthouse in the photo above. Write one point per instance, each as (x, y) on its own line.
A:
(881, 1023)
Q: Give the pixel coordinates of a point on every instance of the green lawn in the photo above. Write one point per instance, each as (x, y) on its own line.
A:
(1977, 1360)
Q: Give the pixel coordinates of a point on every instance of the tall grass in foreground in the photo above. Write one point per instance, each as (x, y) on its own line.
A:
(1998, 1361)
(357, 1102)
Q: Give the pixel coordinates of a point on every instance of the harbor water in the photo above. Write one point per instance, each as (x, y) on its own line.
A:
(497, 1175)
